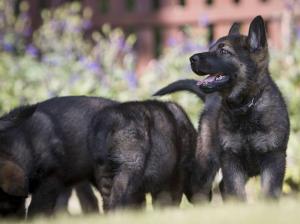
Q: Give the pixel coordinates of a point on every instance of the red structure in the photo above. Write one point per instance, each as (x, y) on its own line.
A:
(154, 21)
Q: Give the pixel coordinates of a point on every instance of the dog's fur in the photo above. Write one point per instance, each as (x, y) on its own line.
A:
(43, 150)
(15, 207)
(147, 148)
(245, 127)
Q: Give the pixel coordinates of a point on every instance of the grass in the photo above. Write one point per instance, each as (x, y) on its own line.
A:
(285, 211)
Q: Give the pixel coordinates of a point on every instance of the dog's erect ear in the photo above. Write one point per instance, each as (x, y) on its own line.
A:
(257, 38)
(234, 29)
(16, 116)
(12, 179)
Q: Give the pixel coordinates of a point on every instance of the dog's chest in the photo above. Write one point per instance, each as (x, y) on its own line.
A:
(236, 132)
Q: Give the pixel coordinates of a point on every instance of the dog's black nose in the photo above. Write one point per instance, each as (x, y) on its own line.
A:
(194, 59)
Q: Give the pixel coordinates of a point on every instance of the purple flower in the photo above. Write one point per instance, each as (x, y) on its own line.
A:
(82, 60)
(32, 50)
(131, 79)
(24, 16)
(8, 47)
(203, 20)
(87, 24)
(121, 43)
(94, 67)
(298, 32)
(27, 31)
(289, 5)
(171, 42)
(193, 47)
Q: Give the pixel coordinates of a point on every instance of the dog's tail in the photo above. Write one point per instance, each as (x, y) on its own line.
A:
(189, 85)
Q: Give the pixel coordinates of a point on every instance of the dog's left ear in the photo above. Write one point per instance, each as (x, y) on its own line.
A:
(234, 29)
(257, 38)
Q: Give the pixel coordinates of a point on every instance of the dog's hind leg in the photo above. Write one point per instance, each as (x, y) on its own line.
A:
(171, 194)
(127, 181)
(62, 200)
(87, 198)
(234, 177)
(272, 174)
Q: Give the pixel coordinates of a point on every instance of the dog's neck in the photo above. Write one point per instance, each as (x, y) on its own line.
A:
(245, 102)
(245, 105)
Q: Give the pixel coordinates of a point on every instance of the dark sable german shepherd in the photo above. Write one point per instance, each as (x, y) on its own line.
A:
(43, 152)
(244, 128)
(146, 147)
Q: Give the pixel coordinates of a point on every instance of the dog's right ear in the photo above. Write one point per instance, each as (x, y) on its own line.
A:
(12, 179)
(16, 116)
(234, 29)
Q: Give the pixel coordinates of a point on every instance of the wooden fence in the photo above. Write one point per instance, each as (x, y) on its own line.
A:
(155, 21)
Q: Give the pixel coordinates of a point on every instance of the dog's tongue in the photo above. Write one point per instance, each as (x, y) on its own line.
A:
(207, 80)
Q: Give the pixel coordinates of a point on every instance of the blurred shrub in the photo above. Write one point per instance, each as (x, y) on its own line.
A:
(173, 65)
(14, 29)
(285, 68)
(60, 60)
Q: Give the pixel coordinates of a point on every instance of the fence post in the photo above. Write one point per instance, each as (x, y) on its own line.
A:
(145, 38)
(117, 7)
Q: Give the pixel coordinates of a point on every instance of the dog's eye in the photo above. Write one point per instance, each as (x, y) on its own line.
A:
(223, 51)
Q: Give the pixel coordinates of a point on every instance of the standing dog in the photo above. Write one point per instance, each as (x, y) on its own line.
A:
(245, 126)
(43, 151)
(146, 147)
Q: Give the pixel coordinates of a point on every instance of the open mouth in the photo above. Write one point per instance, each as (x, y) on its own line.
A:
(213, 82)
(212, 78)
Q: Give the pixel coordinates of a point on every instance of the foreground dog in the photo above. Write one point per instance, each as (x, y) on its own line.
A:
(245, 127)
(43, 151)
(146, 148)
(15, 207)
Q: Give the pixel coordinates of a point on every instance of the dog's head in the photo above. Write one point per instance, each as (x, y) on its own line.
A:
(13, 179)
(234, 61)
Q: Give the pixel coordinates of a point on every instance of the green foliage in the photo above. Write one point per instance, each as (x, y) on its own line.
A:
(173, 65)
(285, 68)
(62, 61)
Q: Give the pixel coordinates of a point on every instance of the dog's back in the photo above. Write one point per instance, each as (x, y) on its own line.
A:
(145, 141)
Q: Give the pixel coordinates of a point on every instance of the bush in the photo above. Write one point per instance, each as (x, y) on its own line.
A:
(60, 60)
(285, 68)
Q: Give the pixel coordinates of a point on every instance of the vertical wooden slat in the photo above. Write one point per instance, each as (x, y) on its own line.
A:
(34, 13)
(117, 7)
(221, 30)
(92, 4)
(223, 3)
(192, 4)
(145, 37)
(245, 27)
(143, 6)
(166, 3)
(274, 30)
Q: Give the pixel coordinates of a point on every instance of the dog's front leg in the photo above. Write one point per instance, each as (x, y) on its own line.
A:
(44, 198)
(272, 174)
(234, 177)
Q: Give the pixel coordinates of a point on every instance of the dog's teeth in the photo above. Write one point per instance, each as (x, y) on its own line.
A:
(219, 77)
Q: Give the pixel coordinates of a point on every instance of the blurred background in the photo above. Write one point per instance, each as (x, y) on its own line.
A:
(128, 49)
